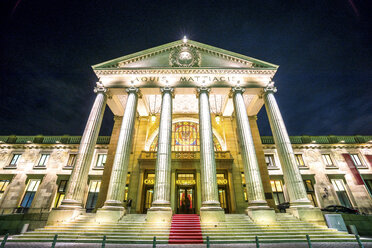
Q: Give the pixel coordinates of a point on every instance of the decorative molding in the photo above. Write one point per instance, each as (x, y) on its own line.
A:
(185, 71)
(184, 56)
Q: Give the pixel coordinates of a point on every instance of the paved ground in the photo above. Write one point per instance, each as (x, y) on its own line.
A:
(279, 245)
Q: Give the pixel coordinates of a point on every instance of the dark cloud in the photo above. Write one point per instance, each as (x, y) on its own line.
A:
(323, 49)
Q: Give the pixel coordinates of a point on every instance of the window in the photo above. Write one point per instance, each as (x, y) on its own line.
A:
(185, 138)
(126, 187)
(244, 187)
(31, 189)
(43, 160)
(71, 160)
(369, 185)
(340, 189)
(356, 160)
(310, 191)
(270, 162)
(60, 193)
(327, 160)
(277, 188)
(93, 195)
(101, 160)
(3, 185)
(299, 160)
(15, 159)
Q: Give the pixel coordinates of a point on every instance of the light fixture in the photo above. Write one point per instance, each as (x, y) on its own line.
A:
(342, 141)
(184, 39)
(313, 141)
(153, 118)
(218, 119)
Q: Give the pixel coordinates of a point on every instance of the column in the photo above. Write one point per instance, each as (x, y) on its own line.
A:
(161, 200)
(292, 176)
(256, 195)
(116, 190)
(210, 202)
(78, 180)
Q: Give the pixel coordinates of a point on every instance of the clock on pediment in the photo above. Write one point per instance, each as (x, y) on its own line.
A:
(184, 56)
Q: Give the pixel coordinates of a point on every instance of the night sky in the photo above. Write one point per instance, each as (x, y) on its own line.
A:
(323, 48)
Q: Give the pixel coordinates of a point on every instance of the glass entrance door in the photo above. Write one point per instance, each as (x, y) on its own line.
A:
(149, 193)
(186, 201)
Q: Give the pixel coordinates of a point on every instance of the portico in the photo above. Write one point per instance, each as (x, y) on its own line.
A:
(185, 90)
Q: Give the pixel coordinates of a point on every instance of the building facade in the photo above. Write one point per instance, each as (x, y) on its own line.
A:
(185, 140)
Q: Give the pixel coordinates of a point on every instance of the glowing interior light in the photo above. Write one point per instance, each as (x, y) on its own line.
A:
(153, 118)
(184, 39)
(218, 119)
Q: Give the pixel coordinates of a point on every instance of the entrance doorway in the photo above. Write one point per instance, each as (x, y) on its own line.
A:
(186, 202)
(186, 193)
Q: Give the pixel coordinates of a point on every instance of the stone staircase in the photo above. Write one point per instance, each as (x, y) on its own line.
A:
(132, 229)
(239, 228)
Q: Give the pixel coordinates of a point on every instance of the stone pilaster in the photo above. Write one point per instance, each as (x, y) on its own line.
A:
(161, 202)
(113, 208)
(256, 196)
(210, 210)
(73, 202)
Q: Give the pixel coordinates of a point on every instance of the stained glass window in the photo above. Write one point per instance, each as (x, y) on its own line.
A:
(185, 138)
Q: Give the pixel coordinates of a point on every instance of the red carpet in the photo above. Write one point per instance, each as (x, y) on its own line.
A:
(185, 229)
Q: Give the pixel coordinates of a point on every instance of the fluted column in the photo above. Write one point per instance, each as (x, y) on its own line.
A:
(161, 200)
(207, 159)
(116, 190)
(256, 195)
(79, 176)
(291, 172)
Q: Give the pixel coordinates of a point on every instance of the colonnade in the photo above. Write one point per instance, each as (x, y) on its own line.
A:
(161, 200)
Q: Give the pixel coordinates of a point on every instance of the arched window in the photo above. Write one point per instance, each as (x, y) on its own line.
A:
(185, 138)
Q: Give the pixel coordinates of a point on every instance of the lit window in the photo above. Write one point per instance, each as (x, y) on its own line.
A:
(71, 160)
(60, 193)
(101, 160)
(244, 187)
(327, 160)
(3, 185)
(185, 138)
(356, 160)
(299, 160)
(310, 191)
(94, 187)
(15, 159)
(340, 189)
(277, 188)
(31, 189)
(43, 160)
(270, 162)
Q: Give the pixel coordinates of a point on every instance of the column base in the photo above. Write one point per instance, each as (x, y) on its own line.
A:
(312, 215)
(159, 215)
(57, 215)
(110, 215)
(212, 214)
(264, 215)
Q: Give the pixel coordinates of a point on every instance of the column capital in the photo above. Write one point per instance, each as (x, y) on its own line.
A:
(167, 90)
(270, 88)
(100, 88)
(202, 90)
(237, 89)
(134, 90)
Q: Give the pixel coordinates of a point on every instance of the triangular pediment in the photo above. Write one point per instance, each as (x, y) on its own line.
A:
(185, 54)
